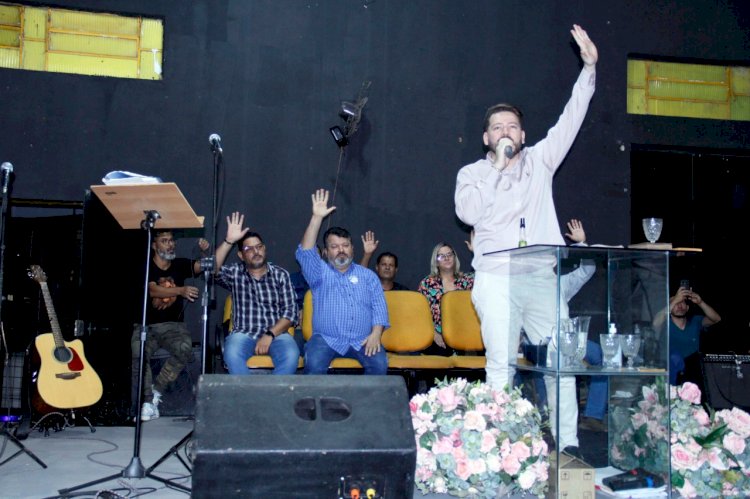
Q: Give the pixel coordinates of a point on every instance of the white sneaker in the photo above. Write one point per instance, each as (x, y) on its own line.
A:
(149, 411)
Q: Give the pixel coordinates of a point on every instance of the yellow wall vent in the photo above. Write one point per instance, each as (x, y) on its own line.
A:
(90, 43)
(689, 90)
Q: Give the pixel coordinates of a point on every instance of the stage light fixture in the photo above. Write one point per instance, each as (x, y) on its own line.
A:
(338, 136)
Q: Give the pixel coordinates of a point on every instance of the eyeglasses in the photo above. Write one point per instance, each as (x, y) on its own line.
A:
(444, 256)
(255, 249)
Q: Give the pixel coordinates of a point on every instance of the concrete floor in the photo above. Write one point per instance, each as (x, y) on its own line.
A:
(76, 456)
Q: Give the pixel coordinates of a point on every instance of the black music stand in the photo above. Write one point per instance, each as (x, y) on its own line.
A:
(144, 206)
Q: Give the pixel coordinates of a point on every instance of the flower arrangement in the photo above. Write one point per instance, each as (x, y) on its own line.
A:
(709, 451)
(473, 441)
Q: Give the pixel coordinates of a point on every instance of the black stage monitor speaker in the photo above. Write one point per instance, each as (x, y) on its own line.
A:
(328, 436)
(726, 379)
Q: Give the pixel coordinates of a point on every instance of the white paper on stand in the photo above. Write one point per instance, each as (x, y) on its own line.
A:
(121, 177)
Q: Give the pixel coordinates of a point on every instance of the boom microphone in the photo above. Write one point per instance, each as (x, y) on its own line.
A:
(215, 142)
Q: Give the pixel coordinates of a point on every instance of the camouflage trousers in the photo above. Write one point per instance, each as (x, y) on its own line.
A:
(173, 337)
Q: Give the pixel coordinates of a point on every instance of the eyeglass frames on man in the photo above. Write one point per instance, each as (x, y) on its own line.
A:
(255, 249)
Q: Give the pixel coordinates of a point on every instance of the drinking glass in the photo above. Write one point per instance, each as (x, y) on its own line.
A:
(581, 325)
(610, 344)
(630, 343)
(568, 347)
(652, 228)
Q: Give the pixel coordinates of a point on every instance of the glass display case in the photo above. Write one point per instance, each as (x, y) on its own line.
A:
(592, 325)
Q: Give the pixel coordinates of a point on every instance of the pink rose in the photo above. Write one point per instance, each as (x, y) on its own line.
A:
(539, 447)
(682, 459)
(687, 490)
(690, 393)
(448, 398)
(459, 454)
(734, 443)
(739, 422)
(489, 442)
(511, 465)
(444, 445)
(462, 470)
(423, 473)
(541, 470)
(713, 457)
(474, 420)
(701, 417)
(520, 451)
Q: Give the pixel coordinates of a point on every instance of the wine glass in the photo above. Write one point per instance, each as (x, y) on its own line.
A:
(568, 346)
(652, 228)
(630, 343)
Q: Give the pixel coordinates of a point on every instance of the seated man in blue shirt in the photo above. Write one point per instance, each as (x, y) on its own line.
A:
(263, 303)
(684, 328)
(349, 309)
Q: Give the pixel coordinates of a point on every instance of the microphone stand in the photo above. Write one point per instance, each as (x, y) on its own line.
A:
(8, 172)
(207, 267)
(135, 469)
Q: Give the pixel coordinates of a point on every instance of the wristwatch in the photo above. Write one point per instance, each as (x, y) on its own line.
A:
(269, 333)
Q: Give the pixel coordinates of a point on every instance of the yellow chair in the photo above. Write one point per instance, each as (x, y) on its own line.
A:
(411, 330)
(461, 329)
(256, 361)
(307, 332)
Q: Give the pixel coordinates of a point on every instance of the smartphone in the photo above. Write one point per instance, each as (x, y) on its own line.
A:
(685, 283)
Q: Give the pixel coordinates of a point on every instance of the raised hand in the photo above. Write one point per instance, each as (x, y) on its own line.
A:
(320, 203)
(369, 243)
(235, 231)
(589, 54)
(576, 234)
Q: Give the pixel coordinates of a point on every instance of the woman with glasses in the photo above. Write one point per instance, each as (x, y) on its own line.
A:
(445, 275)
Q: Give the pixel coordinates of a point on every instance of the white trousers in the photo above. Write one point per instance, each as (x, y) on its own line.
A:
(507, 303)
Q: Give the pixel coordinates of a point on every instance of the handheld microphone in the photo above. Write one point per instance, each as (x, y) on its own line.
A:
(506, 146)
(8, 169)
(215, 142)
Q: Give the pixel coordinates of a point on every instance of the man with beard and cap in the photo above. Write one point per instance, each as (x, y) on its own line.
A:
(349, 308)
(495, 195)
(263, 302)
(164, 318)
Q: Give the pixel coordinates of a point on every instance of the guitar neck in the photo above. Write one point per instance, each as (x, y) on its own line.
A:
(56, 331)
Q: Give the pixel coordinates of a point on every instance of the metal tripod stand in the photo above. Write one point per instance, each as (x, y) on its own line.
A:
(7, 170)
(135, 469)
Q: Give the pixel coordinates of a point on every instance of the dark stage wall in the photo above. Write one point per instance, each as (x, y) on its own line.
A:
(269, 75)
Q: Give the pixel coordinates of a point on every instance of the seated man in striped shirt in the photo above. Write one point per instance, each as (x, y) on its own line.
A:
(349, 309)
(263, 302)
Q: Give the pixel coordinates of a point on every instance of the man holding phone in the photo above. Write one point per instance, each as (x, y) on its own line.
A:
(685, 327)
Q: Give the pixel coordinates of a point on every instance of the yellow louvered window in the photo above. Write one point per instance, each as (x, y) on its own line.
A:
(689, 90)
(90, 43)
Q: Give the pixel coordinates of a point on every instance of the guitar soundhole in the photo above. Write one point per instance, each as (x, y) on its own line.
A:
(62, 354)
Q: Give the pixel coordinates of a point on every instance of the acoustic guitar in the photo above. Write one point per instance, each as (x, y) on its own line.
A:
(65, 380)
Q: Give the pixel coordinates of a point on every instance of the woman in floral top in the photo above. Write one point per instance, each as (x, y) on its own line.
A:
(445, 275)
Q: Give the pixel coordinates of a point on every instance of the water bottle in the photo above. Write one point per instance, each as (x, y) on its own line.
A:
(522, 233)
